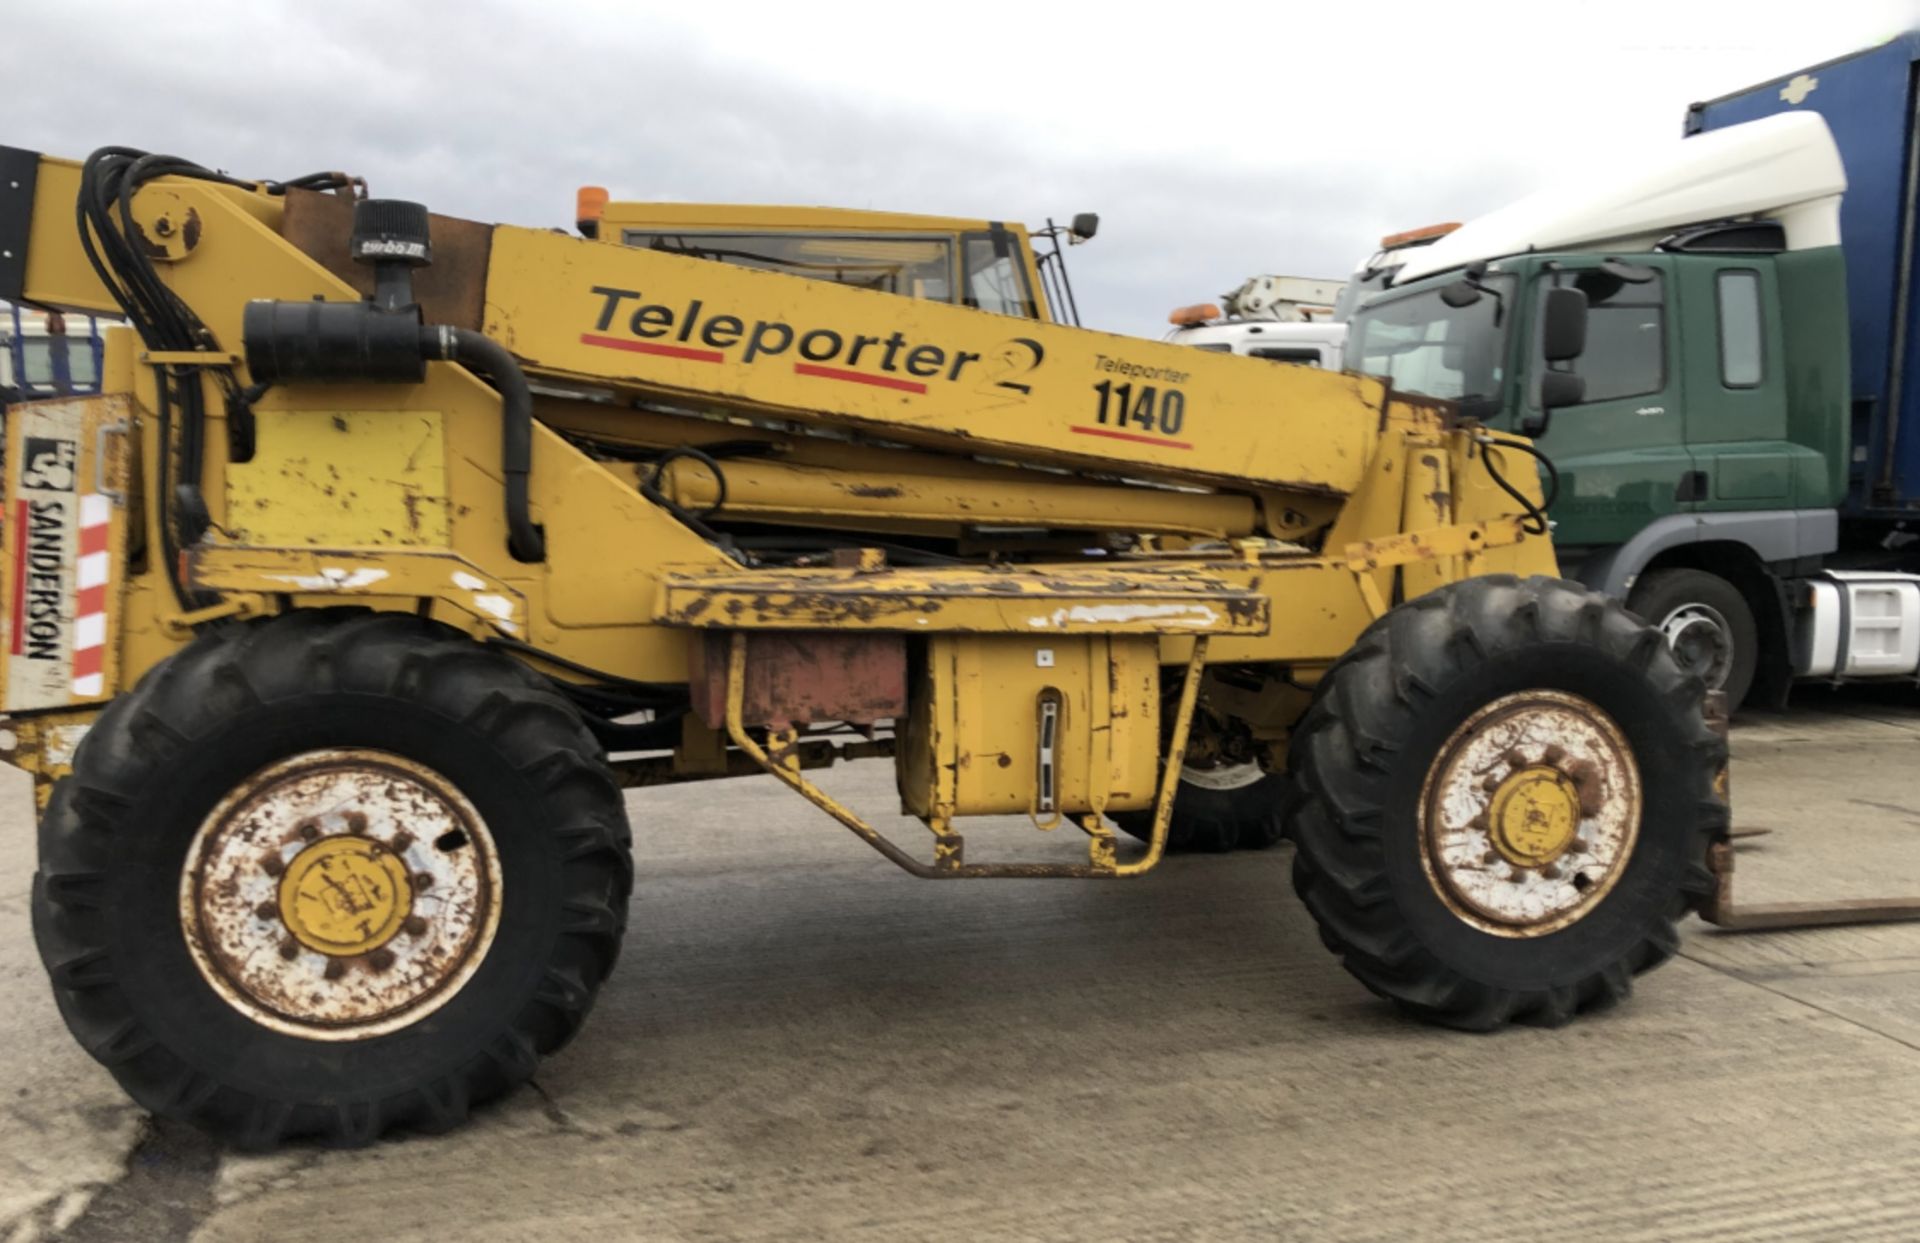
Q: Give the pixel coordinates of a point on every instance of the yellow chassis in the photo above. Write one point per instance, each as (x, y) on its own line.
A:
(1255, 515)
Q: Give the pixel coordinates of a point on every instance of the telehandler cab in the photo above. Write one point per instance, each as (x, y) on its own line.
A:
(395, 546)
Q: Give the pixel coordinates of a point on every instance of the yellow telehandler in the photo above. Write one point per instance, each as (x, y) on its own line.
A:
(395, 546)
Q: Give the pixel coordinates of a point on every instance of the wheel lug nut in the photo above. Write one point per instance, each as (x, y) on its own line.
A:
(1578, 846)
(423, 880)
(266, 910)
(335, 969)
(1550, 872)
(1518, 876)
(380, 959)
(415, 926)
(356, 822)
(289, 951)
(401, 841)
(1492, 856)
(272, 865)
(309, 830)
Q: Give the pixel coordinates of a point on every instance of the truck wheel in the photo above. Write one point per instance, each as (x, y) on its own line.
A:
(1507, 795)
(328, 875)
(1707, 623)
(1227, 807)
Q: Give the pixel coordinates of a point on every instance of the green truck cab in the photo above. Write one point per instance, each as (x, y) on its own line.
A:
(1702, 435)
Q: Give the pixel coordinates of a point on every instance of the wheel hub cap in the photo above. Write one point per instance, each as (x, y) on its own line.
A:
(1530, 813)
(340, 894)
(1534, 816)
(345, 895)
(1702, 642)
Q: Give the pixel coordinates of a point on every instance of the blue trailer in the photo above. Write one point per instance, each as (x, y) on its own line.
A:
(1869, 100)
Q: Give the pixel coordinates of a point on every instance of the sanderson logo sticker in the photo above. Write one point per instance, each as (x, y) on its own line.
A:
(45, 551)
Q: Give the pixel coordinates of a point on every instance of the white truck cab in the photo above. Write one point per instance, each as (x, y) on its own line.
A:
(1296, 319)
(1309, 344)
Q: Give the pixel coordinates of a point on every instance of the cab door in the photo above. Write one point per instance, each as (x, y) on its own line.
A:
(1736, 384)
(1622, 452)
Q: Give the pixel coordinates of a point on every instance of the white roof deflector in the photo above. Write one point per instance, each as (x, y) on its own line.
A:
(1783, 168)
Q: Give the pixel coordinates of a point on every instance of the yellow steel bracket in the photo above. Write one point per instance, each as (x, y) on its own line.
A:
(190, 358)
(1170, 777)
(1101, 860)
(44, 745)
(238, 607)
(1410, 547)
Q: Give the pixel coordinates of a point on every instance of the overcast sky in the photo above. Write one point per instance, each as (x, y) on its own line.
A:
(1215, 140)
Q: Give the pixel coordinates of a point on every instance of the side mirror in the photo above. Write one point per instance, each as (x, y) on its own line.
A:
(1561, 388)
(1628, 273)
(1459, 294)
(1085, 225)
(1563, 326)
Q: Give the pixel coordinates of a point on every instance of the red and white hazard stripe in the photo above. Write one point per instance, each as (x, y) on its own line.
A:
(90, 609)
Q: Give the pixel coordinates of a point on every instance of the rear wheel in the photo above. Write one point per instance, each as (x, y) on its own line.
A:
(1226, 799)
(328, 875)
(1507, 795)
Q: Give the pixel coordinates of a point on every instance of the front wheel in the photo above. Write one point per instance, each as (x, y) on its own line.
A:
(1508, 792)
(328, 875)
(1707, 623)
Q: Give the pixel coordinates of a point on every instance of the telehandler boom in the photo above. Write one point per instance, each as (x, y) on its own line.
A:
(395, 545)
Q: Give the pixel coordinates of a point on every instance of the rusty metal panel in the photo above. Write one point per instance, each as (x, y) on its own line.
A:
(1001, 599)
(796, 677)
(452, 289)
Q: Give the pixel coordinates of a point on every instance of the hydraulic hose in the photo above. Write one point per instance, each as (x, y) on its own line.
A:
(481, 353)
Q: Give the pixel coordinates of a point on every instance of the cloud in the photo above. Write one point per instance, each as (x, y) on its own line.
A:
(1215, 143)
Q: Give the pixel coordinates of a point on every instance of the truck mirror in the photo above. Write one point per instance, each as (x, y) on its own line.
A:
(1560, 388)
(1628, 273)
(1563, 325)
(1085, 225)
(1459, 294)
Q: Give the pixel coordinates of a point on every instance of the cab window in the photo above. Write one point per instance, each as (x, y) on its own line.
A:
(38, 372)
(1287, 354)
(1626, 354)
(1741, 351)
(1423, 345)
(995, 280)
(916, 267)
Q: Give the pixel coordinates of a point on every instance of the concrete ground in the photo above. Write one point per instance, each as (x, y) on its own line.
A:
(802, 1043)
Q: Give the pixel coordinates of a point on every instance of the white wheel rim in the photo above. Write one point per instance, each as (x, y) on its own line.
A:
(1222, 776)
(340, 894)
(1701, 641)
(1530, 813)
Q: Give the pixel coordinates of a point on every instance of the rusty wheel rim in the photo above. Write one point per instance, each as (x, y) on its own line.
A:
(1530, 813)
(340, 894)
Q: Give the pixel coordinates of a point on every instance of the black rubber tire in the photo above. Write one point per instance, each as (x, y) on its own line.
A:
(114, 839)
(1210, 821)
(1658, 594)
(1362, 756)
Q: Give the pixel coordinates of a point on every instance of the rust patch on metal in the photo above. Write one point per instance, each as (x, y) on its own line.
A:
(799, 677)
(451, 290)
